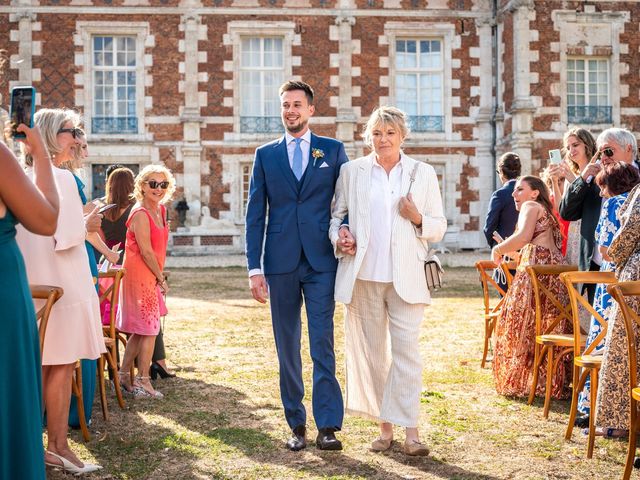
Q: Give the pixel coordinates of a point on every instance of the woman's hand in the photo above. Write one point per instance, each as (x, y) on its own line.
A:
(34, 145)
(112, 256)
(496, 255)
(346, 241)
(408, 210)
(93, 221)
(164, 286)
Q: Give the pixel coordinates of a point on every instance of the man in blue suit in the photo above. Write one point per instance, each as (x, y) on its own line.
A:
(290, 195)
(502, 216)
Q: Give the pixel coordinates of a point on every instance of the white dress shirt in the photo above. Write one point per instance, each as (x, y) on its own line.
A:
(305, 146)
(377, 265)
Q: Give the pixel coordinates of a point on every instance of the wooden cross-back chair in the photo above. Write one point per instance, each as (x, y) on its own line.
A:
(622, 293)
(110, 291)
(51, 295)
(485, 269)
(546, 340)
(585, 364)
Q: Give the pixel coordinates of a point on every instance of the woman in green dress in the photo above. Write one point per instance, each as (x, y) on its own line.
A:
(35, 206)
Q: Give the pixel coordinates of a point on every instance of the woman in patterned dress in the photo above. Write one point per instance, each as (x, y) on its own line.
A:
(615, 182)
(142, 286)
(612, 405)
(539, 240)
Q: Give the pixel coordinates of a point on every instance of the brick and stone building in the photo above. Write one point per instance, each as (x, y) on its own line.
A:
(193, 84)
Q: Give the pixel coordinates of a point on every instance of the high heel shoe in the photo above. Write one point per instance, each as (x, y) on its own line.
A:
(156, 369)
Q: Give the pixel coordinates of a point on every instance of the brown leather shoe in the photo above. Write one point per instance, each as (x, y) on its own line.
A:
(297, 441)
(381, 444)
(415, 449)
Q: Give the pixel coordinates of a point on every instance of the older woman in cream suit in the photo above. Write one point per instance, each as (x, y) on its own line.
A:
(394, 209)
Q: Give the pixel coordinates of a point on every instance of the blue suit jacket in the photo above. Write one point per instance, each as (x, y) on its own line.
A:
(298, 217)
(502, 216)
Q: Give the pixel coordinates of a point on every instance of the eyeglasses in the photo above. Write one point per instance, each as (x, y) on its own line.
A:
(608, 152)
(153, 184)
(75, 132)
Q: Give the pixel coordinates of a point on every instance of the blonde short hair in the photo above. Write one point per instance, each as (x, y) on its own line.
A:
(50, 121)
(146, 172)
(383, 116)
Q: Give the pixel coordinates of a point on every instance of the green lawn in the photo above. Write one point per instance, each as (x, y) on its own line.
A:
(222, 417)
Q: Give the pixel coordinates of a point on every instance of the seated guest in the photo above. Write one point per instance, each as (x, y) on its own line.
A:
(539, 240)
(615, 181)
(612, 406)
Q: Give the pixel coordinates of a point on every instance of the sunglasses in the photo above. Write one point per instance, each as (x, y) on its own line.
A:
(608, 152)
(75, 132)
(153, 184)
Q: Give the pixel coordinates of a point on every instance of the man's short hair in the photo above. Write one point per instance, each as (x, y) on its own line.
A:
(111, 168)
(509, 165)
(297, 85)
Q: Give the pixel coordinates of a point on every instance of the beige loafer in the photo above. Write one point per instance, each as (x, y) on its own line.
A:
(381, 444)
(415, 449)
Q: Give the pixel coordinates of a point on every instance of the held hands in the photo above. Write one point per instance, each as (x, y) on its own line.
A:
(259, 288)
(93, 221)
(346, 241)
(408, 210)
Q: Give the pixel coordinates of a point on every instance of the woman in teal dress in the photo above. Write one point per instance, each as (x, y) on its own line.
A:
(35, 205)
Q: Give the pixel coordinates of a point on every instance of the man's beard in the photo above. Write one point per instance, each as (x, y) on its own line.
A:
(296, 128)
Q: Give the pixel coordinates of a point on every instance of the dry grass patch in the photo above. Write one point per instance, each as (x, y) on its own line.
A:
(222, 417)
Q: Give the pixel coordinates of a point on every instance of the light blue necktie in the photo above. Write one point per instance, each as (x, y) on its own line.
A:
(297, 159)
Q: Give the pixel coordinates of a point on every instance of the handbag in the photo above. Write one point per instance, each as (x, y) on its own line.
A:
(433, 270)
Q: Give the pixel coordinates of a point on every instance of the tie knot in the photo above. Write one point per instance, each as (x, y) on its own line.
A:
(297, 140)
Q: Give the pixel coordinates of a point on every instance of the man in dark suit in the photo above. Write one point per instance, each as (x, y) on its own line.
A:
(581, 200)
(293, 179)
(502, 216)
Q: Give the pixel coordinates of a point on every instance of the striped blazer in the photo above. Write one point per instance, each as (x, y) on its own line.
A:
(409, 245)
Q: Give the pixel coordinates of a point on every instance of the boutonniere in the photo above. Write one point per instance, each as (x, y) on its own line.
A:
(316, 153)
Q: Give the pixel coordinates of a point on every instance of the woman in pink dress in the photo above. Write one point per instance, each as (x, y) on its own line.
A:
(74, 330)
(141, 293)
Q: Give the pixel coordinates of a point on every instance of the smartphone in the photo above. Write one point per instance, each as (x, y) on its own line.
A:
(107, 207)
(22, 109)
(555, 156)
(497, 237)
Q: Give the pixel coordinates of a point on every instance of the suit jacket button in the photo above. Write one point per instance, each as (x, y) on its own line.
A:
(299, 201)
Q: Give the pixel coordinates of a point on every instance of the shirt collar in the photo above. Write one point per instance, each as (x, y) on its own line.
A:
(290, 138)
(402, 161)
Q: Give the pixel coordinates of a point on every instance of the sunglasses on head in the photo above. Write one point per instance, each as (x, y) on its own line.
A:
(75, 132)
(153, 184)
(608, 152)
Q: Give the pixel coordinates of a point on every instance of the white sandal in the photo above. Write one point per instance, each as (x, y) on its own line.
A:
(70, 467)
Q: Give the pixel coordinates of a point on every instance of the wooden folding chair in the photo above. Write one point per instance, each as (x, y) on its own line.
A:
(485, 269)
(50, 295)
(546, 339)
(110, 293)
(622, 293)
(585, 365)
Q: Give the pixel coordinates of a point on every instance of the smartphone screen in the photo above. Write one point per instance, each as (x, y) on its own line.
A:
(22, 108)
(107, 207)
(555, 156)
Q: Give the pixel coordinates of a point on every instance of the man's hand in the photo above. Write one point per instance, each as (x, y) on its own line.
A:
(93, 221)
(408, 210)
(346, 241)
(259, 288)
(592, 169)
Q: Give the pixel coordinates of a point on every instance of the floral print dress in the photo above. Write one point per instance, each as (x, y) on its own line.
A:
(515, 329)
(612, 406)
(608, 225)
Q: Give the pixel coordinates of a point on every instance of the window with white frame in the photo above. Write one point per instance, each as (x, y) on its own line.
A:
(262, 71)
(114, 66)
(588, 89)
(245, 171)
(419, 80)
